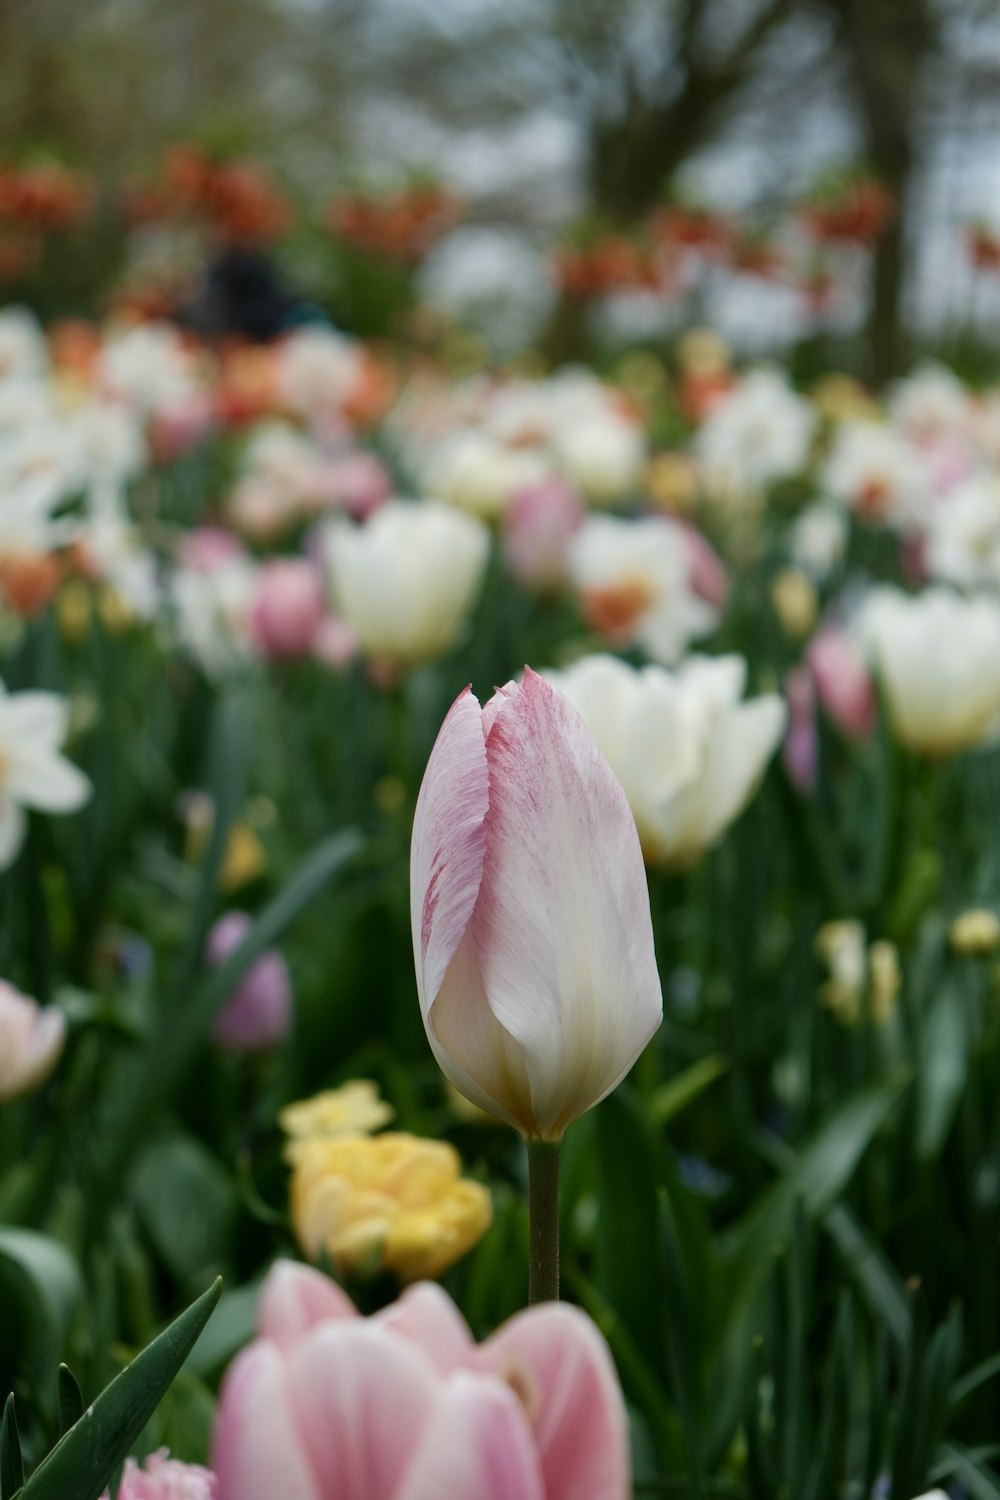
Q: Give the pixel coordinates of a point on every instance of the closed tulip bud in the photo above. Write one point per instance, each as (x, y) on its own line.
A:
(288, 608)
(259, 1011)
(976, 933)
(531, 928)
(843, 683)
(31, 1040)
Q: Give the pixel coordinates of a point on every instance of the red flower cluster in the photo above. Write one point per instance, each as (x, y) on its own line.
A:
(44, 195)
(855, 213)
(237, 199)
(400, 226)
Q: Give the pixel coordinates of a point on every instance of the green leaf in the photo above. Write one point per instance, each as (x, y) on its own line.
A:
(980, 1480)
(819, 1173)
(186, 1203)
(81, 1463)
(232, 1326)
(11, 1464)
(40, 1291)
(671, 1098)
(70, 1400)
(943, 1069)
(184, 1031)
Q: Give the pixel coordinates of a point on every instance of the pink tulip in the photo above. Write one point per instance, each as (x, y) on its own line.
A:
(800, 752)
(843, 682)
(335, 644)
(357, 482)
(531, 929)
(539, 522)
(259, 1011)
(288, 608)
(31, 1042)
(405, 1406)
(210, 547)
(165, 1478)
(706, 571)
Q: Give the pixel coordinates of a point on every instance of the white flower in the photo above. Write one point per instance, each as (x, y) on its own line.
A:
(938, 656)
(23, 350)
(475, 472)
(687, 750)
(604, 453)
(930, 403)
(31, 1039)
(149, 368)
(759, 433)
(212, 609)
(877, 473)
(32, 772)
(963, 540)
(406, 581)
(634, 578)
(819, 539)
(316, 371)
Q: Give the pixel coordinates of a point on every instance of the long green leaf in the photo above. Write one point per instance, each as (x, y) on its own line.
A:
(81, 1463)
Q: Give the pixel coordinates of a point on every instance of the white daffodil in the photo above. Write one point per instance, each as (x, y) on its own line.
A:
(33, 774)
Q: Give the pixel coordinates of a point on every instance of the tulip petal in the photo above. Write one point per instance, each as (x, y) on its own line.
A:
(426, 1316)
(562, 928)
(13, 826)
(257, 1452)
(446, 858)
(296, 1298)
(556, 1359)
(362, 1400)
(478, 1447)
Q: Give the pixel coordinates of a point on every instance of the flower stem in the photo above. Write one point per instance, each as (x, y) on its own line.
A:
(543, 1215)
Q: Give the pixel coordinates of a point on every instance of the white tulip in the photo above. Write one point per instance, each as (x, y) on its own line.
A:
(688, 752)
(938, 656)
(759, 433)
(32, 772)
(634, 579)
(406, 582)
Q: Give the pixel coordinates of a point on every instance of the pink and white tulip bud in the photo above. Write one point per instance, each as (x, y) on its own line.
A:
(531, 928)
(288, 608)
(31, 1040)
(210, 547)
(707, 574)
(258, 1013)
(355, 482)
(539, 523)
(406, 1406)
(843, 683)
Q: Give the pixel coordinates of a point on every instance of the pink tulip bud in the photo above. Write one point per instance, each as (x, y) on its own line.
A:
(210, 547)
(843, 683)
(531, 928)
(706, 571)
(356, 482)
(288, 608)
(335, 644)
(259, 1011)
(539, 522)
(800, 752)
(31, 1040)
(178, 428)
(404, 1406)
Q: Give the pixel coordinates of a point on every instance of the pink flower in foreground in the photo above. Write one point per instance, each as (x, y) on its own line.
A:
(288, 608)
(164, 1478)
(843, 682)
(326, 1405)
(259, 1011)
(31, 1040)
(530, 913)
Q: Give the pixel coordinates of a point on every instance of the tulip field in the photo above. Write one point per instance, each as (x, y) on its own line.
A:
(499, 924)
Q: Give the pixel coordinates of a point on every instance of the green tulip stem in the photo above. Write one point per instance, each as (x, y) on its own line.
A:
(543, 1216)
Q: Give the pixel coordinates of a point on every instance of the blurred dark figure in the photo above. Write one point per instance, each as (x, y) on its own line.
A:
(243, 293)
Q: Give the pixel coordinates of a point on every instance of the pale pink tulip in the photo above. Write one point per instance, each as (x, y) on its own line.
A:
(164, 1478)
(706, 571)
(539, 522)
(531, 928)
(31, 1040)
(210, 547)
(357, 482)
(259, 1011)
(288, 608)
(844, 684)
(404, 1406)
